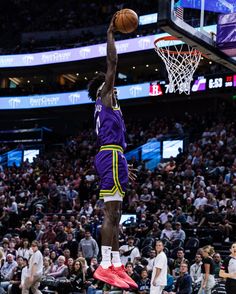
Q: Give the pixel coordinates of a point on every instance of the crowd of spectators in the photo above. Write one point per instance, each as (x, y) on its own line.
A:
(22, 17)
(187, 202)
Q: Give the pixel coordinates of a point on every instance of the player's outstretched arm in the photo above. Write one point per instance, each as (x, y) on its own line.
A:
(112, 58)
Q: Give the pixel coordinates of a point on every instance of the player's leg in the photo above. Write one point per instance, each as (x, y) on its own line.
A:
(110, 230)
(105, 271)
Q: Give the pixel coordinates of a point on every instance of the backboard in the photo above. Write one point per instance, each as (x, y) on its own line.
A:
(204, 25)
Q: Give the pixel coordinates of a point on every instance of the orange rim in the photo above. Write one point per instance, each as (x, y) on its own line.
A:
(171, 38)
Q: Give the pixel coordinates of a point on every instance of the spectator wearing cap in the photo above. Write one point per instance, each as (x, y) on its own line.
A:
(129, 252)
(7, 270)
(28, 232)
(88, 246)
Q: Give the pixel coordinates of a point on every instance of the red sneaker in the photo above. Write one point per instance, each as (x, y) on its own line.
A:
(121, 273)
(109, 276)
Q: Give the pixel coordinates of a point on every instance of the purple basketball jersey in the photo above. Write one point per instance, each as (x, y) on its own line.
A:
(110, 127)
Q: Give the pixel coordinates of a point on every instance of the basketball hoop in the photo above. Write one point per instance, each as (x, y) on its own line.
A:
(180, 64)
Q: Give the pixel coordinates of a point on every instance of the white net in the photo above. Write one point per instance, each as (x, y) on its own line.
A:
(180, 64)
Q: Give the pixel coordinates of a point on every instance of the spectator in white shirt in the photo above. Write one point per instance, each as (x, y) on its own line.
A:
(129, 252)
(201, 200)
(167, 232)
(159, 273)
(195, 270)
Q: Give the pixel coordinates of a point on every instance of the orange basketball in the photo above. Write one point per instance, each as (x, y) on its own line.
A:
(126, 21)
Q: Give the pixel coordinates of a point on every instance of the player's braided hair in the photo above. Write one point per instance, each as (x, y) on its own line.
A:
(94, 85)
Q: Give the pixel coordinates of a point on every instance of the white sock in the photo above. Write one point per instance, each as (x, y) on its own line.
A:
(106, 256)
(116, 258)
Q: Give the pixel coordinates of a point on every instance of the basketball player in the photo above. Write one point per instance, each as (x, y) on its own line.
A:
(111, 166)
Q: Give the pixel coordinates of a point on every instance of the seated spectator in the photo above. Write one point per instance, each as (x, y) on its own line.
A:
(7, 270)
(129, 252)
(176, 266)
(92, 267)
(47, 266)
(66, 254)
(218, 263)
(60, 269)
(15, 281)
(72, 245)
(130, 271)
(155, 232)
(141, 208)
(145, 196)
(178, 234)
(5, 246)
(201, 200)
(60, 233)
(144, 283)
(179, 216)
(167, 232)
(75, 282)
(12, 249)
(164, 215)
(28, 232)
(71, 195)
(70, 265)
(151, 259)
(24, 249)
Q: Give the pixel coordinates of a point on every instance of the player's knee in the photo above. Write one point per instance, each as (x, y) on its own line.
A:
(114, 217)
